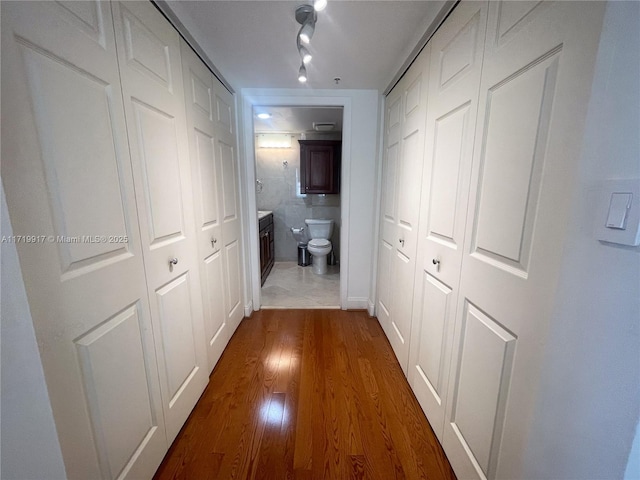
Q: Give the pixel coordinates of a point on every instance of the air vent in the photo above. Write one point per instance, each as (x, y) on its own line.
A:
(323, 126)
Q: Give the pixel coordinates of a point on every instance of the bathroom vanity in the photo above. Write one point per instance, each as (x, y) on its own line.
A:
(267, 256)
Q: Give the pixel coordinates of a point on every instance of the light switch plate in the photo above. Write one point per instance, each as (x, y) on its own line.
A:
(619, 207)
(614, 222)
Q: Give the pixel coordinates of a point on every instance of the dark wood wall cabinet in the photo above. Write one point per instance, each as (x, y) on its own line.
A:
(320, 166)
(267, 253)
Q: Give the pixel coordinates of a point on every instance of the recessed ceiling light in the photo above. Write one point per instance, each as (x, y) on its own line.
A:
(263, 116)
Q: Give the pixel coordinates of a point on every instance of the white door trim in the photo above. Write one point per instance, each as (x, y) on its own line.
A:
(277, 97)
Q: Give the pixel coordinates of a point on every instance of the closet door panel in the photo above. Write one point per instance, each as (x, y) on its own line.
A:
(230, 214)
(536, 81)
(404, 160)
(456, 62)
(230, 199)
(151, 70)
(202, 114)
(232, 271)
(67, 174)
(384, 285)
(224, 111)
(116, 384)
(447, 164)
(155, 132)
(389, 210)
(430, 363)
(205, 162)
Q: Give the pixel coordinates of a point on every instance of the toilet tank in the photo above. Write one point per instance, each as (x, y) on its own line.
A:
(319, 228)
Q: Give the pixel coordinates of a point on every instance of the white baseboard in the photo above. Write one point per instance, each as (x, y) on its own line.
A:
(357, 303)
(248, 309)
(371, 308)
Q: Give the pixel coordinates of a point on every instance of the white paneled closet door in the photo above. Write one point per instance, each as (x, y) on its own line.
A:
(150, 66)
(206, 173)
(67, 174)
(388, 221)
(536, 81)
(456, 64)
(402, 173)
(224, 120)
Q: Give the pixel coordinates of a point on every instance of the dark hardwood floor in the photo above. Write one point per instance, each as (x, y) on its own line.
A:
(307, 394)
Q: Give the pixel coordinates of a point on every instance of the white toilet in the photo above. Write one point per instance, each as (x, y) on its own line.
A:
(319, 231)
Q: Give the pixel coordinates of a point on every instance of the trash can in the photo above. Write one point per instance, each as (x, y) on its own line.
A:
(304, 257)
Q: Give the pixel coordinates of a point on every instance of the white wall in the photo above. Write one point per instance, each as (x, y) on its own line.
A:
(589, 401)
(358, 185)
(30, 447)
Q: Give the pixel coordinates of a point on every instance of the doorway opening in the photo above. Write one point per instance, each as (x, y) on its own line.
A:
(297, 165)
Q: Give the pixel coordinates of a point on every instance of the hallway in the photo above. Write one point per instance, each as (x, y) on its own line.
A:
(307, 394)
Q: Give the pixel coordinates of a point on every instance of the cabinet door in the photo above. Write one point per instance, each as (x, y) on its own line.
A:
(205, 173)
(320, 166)
(535, 87)
(264, 252)
(150, 68)
(272, 250)
(67, 175)
(456, 62)
(266, 247)
(402, 175)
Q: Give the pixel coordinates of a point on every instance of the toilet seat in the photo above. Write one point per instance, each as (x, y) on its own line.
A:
(319, 243)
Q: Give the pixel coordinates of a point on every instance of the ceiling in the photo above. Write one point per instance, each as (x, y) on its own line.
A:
(253, 43)
(296, 119)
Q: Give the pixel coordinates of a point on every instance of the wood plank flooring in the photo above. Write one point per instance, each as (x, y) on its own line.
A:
(307, 394)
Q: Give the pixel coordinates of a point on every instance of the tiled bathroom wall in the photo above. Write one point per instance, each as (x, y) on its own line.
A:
(278, 189)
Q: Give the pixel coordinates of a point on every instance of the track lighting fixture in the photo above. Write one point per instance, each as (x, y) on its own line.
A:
(306, 16)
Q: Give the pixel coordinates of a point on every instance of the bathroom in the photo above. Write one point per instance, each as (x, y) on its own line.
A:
(293, 280)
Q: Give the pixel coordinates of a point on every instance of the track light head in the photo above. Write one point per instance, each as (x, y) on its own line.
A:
(304, 54)
(306, 16)
(302, 74)
(306, 32)
(319, 5)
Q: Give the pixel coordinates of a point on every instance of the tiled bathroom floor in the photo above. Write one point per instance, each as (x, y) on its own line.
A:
(291, 286)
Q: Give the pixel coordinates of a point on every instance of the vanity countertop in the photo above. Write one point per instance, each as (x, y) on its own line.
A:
(263, 213)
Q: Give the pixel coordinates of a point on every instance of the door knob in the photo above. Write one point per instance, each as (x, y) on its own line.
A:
(401, 240)
(436, 262)
(213, 241)
(172, 262)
